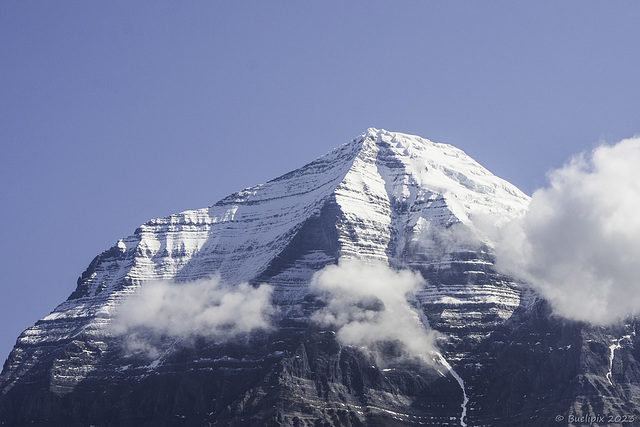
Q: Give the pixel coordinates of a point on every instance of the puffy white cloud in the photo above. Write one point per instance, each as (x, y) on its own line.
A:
(367, 304)
(204, 308)
(579, 242)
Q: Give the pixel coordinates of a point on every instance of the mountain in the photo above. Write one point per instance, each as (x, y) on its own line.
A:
(501, 357)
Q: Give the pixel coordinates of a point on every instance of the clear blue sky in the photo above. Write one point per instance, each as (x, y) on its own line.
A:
(113, 113)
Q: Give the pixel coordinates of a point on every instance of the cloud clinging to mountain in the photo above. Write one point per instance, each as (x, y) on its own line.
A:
(579, 242)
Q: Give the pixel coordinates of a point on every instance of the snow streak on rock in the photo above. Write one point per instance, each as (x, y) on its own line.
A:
(612, 352)
(465, 399)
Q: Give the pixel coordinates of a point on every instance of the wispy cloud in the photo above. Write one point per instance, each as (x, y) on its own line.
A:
(368, 305)
(204, 308)
(579, 242)
(437, 242)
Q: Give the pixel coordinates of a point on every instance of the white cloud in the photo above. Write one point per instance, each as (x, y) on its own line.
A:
(579, 242)
(367, 304)
(204, 308)
(437, 242)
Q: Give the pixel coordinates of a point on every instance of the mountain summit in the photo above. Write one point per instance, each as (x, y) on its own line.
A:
(236, 338)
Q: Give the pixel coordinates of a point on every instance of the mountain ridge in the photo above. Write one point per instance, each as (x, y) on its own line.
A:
(383, 197)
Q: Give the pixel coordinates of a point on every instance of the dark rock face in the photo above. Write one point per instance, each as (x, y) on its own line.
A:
(296, 376)
(371, 199)
(537, 367)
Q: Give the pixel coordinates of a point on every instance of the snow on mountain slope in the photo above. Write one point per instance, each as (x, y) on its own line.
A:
(381, 196)
(236, 238)
(413, 202)
(400, 182)
(398, 191)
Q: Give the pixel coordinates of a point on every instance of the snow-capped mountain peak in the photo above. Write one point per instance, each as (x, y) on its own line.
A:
(385, 196)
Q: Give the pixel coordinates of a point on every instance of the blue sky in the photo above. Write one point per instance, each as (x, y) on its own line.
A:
(113, 113)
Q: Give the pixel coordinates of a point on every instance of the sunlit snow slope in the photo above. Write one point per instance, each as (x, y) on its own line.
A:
(387, 192)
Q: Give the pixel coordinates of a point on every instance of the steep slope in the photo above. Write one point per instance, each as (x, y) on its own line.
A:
(384, 196)
(257, 221)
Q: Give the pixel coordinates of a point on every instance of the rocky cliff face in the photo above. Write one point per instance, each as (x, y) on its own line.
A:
(388, 197)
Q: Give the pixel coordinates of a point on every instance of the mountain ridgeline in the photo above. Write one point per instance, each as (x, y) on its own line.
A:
(256, 349)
